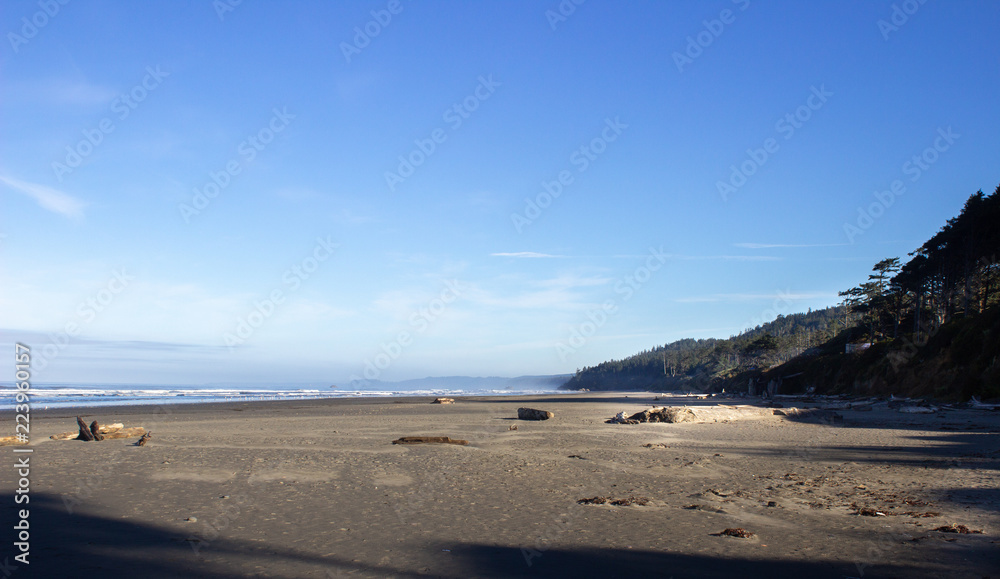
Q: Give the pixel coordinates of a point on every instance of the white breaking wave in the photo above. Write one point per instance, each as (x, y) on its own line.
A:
(72, 396)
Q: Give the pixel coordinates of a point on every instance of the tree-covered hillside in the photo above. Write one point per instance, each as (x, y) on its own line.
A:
(696, 364)
(930, 326)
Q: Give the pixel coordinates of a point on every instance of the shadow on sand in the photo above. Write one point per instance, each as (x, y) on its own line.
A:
(81, 544)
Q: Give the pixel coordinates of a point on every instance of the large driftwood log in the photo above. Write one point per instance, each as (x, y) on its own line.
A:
(116, 430)
(126, 432)
(533, 414)
(95, 429)
(429, 439)
(84, 433)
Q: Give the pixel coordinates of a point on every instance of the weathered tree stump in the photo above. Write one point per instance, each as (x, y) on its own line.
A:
(85, 432)
(95, 429)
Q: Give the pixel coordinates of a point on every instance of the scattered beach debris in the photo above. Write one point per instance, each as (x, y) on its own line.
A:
(631, 500)
(429, 440)
(576, 456)
(669, 414)
(868, 512)
(443, 401)
(719, 413)
(737, 532)
(145, 438)
(655, 445)
(975, 402)
(961, 529)
(108, 431)
(910, 405)
(626, 502)
(620, 418)
(533, 414)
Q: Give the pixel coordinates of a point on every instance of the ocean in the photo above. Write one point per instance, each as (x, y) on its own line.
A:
(69, 396)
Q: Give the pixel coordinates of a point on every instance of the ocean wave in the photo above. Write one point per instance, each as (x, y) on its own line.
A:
(71, 396)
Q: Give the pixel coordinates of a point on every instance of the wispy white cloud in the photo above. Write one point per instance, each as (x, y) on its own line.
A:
(779, 245)
(60, 91)
(527, 254)
(48, 198)
(727, 257)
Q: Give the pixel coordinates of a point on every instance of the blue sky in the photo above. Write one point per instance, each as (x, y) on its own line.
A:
(196, 192)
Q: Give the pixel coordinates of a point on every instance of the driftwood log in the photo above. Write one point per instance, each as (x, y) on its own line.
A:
(108, 431)
(443, 401)
(95, 429)
(84, 433)
(429, 439)
(533, 414)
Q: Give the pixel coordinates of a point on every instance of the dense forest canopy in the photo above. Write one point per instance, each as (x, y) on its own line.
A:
(954, 276)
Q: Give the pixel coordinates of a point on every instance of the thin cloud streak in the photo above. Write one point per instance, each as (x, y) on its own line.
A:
(526, 254)
(781, 245)
(728, 257)
(48, 198)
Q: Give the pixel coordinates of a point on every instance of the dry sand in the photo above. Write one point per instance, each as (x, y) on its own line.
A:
(317, 489)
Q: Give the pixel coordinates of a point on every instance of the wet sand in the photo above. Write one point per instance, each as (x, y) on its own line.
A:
(317, 489)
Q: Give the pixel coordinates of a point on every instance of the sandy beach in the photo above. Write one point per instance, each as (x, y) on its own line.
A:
(317, 489)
